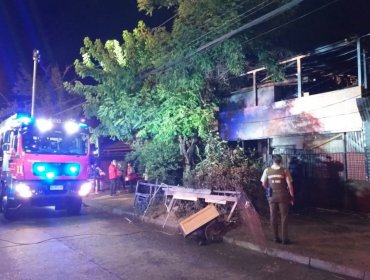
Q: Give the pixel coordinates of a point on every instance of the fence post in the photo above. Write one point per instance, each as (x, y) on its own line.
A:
(345, 171)
(345, 156)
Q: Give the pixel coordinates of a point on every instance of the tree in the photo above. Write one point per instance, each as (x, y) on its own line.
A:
(155, 85)
(158, 162)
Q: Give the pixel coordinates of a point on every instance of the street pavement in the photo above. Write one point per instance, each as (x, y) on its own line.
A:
(329, 240)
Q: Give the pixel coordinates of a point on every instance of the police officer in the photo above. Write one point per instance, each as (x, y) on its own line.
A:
(279, 185)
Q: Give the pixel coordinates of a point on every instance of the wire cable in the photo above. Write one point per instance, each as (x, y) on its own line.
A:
(229, 22)
(291, 21)
(83, 235)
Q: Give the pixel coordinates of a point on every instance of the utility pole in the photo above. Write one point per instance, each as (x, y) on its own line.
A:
(36, 59)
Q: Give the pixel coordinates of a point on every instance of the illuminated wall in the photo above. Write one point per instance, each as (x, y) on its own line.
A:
(329, 112)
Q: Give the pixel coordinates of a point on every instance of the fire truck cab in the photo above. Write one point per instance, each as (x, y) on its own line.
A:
(44, 162)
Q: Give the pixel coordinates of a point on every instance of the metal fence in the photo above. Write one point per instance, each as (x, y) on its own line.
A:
(346, 166)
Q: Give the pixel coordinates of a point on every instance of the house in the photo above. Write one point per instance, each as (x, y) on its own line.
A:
(318, 116)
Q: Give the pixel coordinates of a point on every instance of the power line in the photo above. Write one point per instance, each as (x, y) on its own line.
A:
(228, 35)
(69, 109)
(233, 20)
(291, 21)
(227, 24)
(167, 20)
(257, 21)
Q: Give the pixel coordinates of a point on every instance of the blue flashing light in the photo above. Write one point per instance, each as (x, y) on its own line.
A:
(50, 175)
(44, 170)
(24, 119)
(83, 125)
(40, 168)
(72, 169)
(52, 170)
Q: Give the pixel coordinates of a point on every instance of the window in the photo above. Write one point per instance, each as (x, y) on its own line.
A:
(54, 142)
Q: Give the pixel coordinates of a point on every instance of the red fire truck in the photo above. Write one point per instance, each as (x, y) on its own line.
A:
(43, 163)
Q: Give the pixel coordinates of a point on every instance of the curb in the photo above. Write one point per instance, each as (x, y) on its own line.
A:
(305, 260)
(285, 255)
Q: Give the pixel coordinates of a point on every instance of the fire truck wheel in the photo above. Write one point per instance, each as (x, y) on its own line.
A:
(2, 193)
(74, 206)
(8, 211)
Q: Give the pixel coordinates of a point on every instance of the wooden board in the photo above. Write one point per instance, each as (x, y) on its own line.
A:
(199, 219)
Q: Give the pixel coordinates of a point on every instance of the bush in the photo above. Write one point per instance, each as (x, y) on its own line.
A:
(159, 160)
(226, 168)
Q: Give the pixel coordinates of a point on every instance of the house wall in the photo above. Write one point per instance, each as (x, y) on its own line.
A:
(330, 112)
(324, 131)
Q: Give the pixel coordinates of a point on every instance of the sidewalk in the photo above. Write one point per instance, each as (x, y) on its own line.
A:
(328, 240)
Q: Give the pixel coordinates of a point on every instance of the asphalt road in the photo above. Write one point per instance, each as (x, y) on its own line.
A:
(48, 244)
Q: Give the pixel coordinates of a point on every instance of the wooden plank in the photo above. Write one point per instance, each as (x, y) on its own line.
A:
(199, 219)
(185, 196)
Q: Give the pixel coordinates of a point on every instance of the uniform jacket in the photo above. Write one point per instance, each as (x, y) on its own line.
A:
(278, 184)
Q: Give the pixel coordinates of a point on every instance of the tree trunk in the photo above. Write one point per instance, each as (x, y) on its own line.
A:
(187, 148)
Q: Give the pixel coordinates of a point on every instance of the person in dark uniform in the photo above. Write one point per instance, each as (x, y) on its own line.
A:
(279, 185)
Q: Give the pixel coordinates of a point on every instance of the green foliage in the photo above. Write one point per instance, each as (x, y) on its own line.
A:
(159, 160)
(156, 85)
(149, 5)
(271, 62)
(160, 106)
(226, 168)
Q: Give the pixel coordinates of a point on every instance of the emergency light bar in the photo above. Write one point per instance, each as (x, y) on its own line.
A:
(44, 125)
(23, 119)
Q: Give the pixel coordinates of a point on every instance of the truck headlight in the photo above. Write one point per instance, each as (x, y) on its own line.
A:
(85, 189)
(71, 127)
(23, 190)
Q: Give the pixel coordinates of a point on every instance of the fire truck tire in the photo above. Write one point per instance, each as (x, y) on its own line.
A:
(74, 206)
(2, 193)
(9, 212)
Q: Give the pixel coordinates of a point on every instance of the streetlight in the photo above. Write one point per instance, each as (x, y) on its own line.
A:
(36, 59)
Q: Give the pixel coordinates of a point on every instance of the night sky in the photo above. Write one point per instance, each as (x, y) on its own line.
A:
(57, 28)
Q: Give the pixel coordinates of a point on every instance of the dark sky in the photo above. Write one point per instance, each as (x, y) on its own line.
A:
(57, 28)
(328, 21)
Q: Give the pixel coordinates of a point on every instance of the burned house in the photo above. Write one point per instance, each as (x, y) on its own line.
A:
(318, 116)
